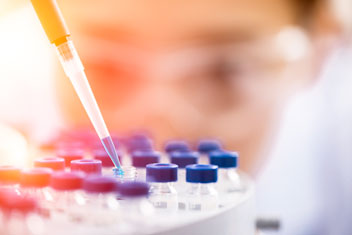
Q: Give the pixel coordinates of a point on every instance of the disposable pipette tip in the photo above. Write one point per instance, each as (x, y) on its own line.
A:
(110, 149)
(118, 172)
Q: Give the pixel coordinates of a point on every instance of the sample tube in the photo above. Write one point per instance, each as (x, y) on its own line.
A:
(139, 211)
(201, 194)
(102, 205)
(69, 197)
(163, 194)
(183, 159)
(140, 159)
(17, 212)
(229, 182)
(34, 182)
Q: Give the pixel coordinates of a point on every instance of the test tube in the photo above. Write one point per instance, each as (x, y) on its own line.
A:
(201, 193)
(163, 194)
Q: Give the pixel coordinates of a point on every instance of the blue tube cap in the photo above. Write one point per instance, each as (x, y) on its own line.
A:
(161, 172)
(199, 173)
(133, 189)
(139, 142)
(206, 146)
(224, 159)
(182, 159)
(143, 158)
(176, 145)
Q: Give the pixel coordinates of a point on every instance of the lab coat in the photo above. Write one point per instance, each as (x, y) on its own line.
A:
(308, 181)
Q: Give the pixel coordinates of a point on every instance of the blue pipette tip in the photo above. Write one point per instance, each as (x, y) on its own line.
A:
(110, 149)
(118, 172)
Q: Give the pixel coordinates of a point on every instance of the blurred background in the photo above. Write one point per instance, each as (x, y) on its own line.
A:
(270, 79)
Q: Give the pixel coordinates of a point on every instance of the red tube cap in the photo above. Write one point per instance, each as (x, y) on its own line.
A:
(53, 163)
(36, 177)
(88, 166)
(10, 174)
(67, 180)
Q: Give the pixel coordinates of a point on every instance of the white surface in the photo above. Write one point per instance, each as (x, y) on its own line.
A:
(235, 219)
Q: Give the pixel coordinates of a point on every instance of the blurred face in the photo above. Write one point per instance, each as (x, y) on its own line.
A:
(188, 69)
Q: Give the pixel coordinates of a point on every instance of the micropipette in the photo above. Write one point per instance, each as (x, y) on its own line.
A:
(55, 28)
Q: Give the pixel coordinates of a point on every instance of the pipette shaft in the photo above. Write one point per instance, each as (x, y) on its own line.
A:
(58, 34)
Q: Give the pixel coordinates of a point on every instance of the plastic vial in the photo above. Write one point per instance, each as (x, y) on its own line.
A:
(129, 174)
(54, 163)
(101, 200)
(201, 194)
(207, 146)
(107, 164)
(163, 194)
(10, 177)
(34, 182)
(140, 159)
(229, 179)
(19, 215)
(69, 198)
(183, 159)
(88, 166)
(70, 154)
(138, 210)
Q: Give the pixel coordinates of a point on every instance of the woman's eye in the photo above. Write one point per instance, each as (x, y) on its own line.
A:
(225, 69)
